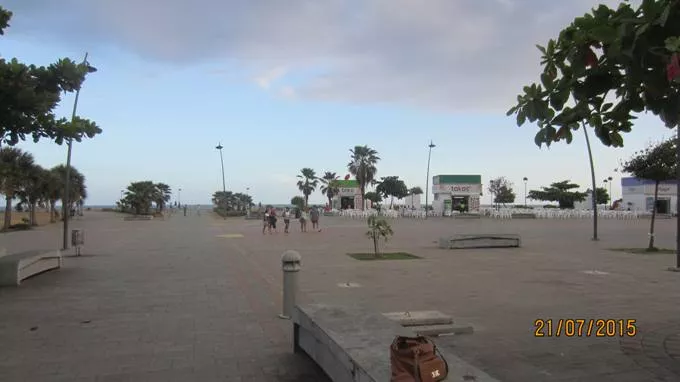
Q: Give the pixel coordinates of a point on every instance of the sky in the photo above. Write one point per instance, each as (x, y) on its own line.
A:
(287, 85)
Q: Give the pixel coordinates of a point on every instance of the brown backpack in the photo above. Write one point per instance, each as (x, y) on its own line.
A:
(416, 359)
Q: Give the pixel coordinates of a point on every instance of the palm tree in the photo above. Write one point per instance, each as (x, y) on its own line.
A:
(55, 187)
(163, 194)
(78, 189)
(362, 166)
(14, 165)
(307, 183)
(415, 191)
(140, 195)
(34, 191)
(330, 186)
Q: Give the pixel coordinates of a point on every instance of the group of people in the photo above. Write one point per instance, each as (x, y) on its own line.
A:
(303, 215)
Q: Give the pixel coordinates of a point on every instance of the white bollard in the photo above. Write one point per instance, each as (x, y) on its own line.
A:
(291, 263)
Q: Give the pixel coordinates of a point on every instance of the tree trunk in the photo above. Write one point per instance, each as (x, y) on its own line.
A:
(8, 212)
(53, 210)
(391, 202)
(32, 216)
(306, 200)
(375, 245)
(363, 195)
(330, 202)
(592, 175)
(651, 224)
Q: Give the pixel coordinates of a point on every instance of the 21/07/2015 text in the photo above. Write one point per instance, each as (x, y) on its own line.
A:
(585, 327)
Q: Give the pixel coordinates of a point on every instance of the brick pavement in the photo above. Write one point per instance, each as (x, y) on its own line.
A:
(193, 306)
(502, 291)
(149, 301)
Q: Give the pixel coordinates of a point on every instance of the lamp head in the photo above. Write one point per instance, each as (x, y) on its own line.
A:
(219, 147)
(431, 145)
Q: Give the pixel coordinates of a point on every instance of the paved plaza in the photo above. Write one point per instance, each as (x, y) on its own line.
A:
(196, 298)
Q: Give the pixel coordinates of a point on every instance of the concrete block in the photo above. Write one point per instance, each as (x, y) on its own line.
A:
(480, 241)
(17, 267)
(419, 318)
(435, 330)
(351, 344)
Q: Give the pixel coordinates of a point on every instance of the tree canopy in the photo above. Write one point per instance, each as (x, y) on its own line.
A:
(29, 94)
(559, 192)
(392, 187)
(362, 165)
(604, 68)
(656, 162)
(307, 182)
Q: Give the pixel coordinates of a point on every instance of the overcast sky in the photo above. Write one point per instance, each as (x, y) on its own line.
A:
(291, 84)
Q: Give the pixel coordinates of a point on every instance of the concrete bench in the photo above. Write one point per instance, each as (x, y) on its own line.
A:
(19, 266)
(352, 344)
(480, 241)
(138, 217)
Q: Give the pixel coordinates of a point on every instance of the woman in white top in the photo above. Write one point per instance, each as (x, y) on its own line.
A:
(304, 216)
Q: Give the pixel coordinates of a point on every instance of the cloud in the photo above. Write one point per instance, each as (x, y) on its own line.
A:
(439, 54)
(265, 79)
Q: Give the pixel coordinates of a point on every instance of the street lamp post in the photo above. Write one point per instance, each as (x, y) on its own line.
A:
(525, 179)
(66, 201)
(224, 184)
(427, 182)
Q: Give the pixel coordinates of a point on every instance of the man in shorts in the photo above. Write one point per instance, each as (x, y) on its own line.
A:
(304, 216)
(314, 217)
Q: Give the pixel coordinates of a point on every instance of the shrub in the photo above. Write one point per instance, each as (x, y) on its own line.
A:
(378, 228)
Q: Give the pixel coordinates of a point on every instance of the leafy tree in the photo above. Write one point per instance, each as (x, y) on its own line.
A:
(362, 165)
(501, 189)
(374, 197)
(602, 69)
(656, 163)
(378, 228)
(505, 195)
(392, 187)
(415, 191)
(307, 183)
(601, 195)
(559, 192)
(29, 94)
(15, 164)
(298, 201)
(330, 186)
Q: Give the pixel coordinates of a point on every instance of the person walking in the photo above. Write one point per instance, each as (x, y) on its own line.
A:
(265, 221)
(286, 219)
(272, 220)
(314, 217)
(304, 216)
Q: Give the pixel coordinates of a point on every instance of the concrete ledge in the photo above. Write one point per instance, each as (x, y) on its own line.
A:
(480, 241)
(17, 267)
(467, 216)
(138, 218)
(524, 216)
(352, 344)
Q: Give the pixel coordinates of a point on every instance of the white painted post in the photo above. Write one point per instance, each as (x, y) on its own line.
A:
(291, 263)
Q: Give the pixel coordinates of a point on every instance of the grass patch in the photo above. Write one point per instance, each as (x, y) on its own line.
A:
(383, 256)
(645, 251)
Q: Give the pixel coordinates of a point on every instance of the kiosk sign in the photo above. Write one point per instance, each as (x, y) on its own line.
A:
(460, 189)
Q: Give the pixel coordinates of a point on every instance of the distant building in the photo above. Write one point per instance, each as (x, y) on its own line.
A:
(638, 194)
(455, 192)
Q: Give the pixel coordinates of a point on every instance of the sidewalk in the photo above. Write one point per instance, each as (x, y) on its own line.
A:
(148, 301)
